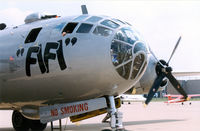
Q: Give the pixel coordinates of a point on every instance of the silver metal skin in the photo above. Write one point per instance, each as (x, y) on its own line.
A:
(90, 71)
(145, 83)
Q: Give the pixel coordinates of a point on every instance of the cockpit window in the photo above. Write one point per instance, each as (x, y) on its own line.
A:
(84, 28)
(128, 24)
(80, 18)
(94, 19)
(102, 31)
(32, 36)
(119, 21)
(127, 35)
(110, 24)
(128, 53)
(69, 28)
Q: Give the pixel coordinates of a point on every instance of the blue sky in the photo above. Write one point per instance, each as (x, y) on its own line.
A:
(160, 22)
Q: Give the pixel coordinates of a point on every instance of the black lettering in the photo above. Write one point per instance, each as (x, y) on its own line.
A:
(60, 56)
(43, 61)
(22, 51)
(48, 55)
(40, 60)
(18, 52)
(30, 60)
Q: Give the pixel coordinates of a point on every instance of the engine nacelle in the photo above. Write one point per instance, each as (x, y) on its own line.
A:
(145, 83)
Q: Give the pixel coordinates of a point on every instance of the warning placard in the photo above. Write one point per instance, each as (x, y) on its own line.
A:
(59, 111)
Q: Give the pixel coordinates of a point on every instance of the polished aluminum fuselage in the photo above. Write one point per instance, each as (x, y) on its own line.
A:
(89, 74)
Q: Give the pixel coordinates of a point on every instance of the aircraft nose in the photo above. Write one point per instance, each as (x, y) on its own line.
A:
(140, 60)
(129, 60)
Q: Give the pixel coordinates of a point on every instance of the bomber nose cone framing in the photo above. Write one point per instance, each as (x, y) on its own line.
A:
(128, 54)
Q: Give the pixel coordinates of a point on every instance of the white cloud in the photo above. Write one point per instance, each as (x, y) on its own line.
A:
(13, 16)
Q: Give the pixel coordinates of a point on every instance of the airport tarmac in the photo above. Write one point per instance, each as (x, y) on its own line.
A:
(157, 116)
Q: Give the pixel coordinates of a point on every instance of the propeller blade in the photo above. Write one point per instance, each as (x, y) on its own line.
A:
(177, 43)
(154, 88)
(155, 57)
(176, 84)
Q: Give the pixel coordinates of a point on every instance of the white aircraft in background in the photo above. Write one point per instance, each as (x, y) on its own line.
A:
(132, 98)
(56, 67)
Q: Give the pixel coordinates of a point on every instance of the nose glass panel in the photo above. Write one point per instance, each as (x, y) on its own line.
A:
(128, 53)
(139, 46)
(127, 35)
(138, 62)
(125, 70)
(120, 52)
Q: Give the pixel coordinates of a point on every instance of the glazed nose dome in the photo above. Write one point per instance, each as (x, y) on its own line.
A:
(128, 54)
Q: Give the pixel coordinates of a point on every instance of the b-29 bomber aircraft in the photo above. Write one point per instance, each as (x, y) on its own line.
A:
(55, 67)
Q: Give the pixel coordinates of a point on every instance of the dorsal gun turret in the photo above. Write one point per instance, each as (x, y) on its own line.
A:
(38, 16)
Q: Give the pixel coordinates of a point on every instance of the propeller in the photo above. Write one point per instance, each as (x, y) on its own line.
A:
(164, 70)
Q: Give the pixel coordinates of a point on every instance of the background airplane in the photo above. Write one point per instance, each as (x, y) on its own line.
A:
(179, 98)
(132, 98)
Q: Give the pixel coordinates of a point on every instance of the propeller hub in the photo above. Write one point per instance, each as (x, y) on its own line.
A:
(168, 69)
(164, 70)
(161, 67)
